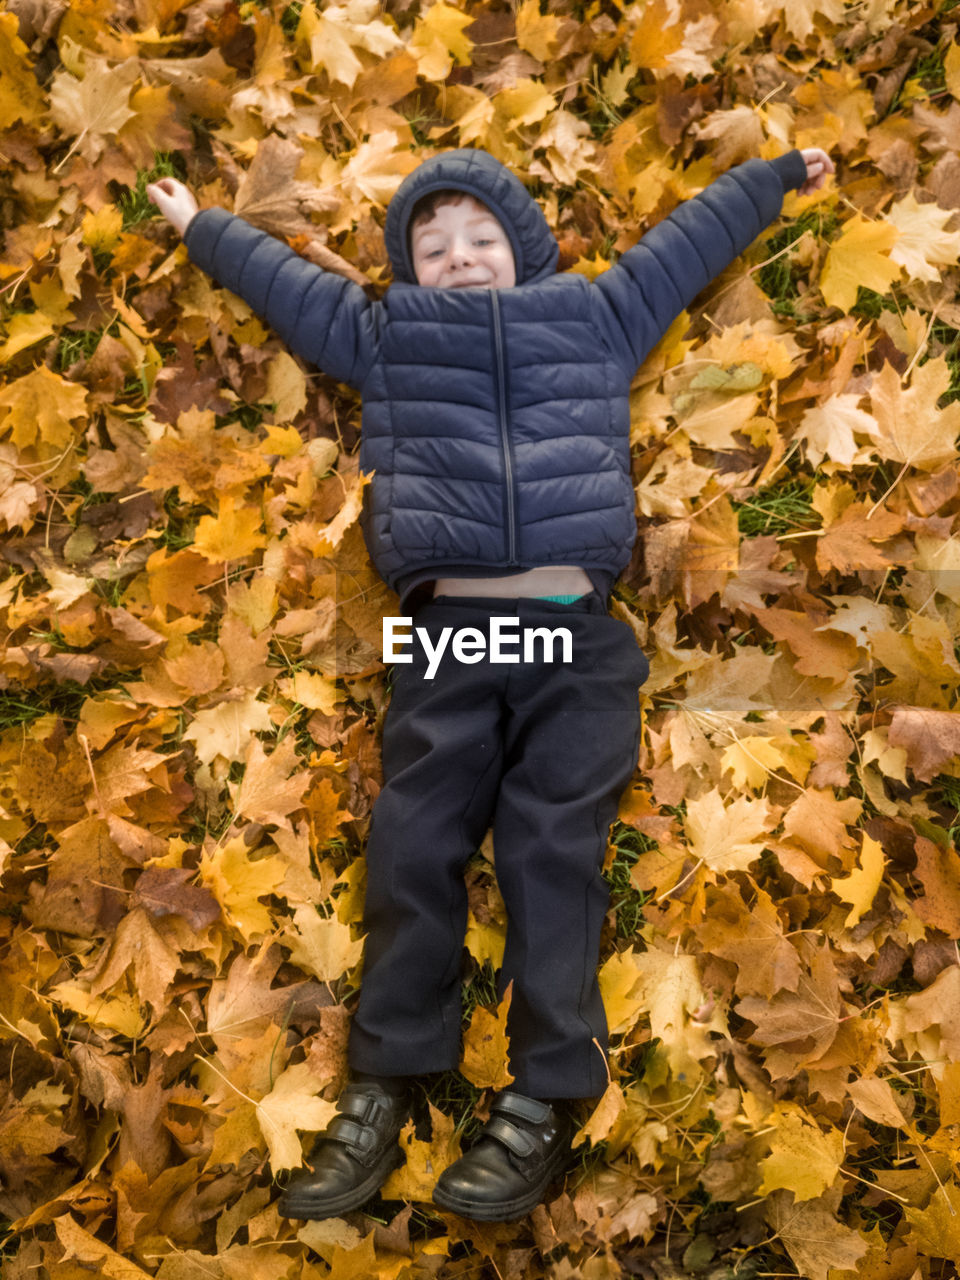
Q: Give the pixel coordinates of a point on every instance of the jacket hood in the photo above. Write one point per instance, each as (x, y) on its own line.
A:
(469, 169)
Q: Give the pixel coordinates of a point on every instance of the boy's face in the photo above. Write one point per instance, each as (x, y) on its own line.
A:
(463, 246)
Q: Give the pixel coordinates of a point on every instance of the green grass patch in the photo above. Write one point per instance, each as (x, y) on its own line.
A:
(626, 901)
(290, 19)
(480, 988)
(455, 1096)
(180, 527)
(249, 416)
(950, 798)
(778, 279)
(74, 346)
(781, 508)
(134, 203)
(16, 710)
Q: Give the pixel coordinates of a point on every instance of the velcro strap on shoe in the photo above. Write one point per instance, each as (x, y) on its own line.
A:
(364, 1106)
(360, 1140)
(516, 1104)
(514, 1139)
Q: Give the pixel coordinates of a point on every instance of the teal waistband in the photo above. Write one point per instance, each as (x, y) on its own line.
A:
(560, 599)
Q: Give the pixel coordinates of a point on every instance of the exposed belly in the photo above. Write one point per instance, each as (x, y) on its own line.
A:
(546, 580)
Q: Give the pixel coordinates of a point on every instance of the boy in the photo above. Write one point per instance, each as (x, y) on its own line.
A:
(496, 423)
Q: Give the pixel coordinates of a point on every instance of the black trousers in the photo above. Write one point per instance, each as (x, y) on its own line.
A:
(542, 750)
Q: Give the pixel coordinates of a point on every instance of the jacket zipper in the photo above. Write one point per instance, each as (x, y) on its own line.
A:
(505, 433)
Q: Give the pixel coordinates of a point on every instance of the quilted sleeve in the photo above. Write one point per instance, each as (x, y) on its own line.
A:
(662, 274)
(323, 317)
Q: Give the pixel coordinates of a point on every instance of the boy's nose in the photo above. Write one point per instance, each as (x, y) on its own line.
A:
(461, 253)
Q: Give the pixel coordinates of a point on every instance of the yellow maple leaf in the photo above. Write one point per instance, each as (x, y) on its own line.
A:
(120, 1013)
(438, 41)
(486, 1046)
(657, 35)
(798, 15)
(324, 947)
(425, 1161)
(253, 602)
(287, 388)
(42, 404)
(65, 588)
(836, 107)
(878, 1102)
(670, 989)
(924, 246)
(238, 1135)
(101, 230)
(312, 690)
(861, 256)
(137, 946)
(803, 1158)
(569, 148)
(477, 116)
(377, 168)
(333, 34)
(619, 977)
(828, 429)
(485, 941)
(819, 1244)
(860, 887)
(23, 330)
(93, 108)
(233, 534)
(225, 730)
(525, 102)
(603, 1117)
(292, 1104)
(21, 97)
(536, 31)
(332, 534)
(86, 1248)
(727, 837)
(752, 758)
(936, 1229)
(238, 882)
(908, 427)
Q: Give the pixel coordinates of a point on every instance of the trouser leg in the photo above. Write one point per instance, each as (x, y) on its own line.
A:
(441, 762)
(570, 746)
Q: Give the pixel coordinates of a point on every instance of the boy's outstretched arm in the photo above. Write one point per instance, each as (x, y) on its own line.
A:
(321, 316)
(668, 267)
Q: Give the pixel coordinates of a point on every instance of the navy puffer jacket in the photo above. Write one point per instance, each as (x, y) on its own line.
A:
(495, 421)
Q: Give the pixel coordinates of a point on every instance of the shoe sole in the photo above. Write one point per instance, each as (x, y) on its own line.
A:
(311, 1208)
(504, 1210)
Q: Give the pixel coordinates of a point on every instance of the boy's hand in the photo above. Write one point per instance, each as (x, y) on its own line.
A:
(174, 200)
(818, 165)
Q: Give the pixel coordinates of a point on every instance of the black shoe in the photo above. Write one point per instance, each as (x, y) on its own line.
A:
(353, 1156)
(503, 1176)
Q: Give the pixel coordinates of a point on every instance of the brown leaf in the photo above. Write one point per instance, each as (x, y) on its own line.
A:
(847, 544)
(166, 891)
(753, 939)
(938, 870)
(807, 1020)
(486, 1046)
(814, 1237)
(929, 737)
(271, 790)
(138, 946)
(827, 654)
